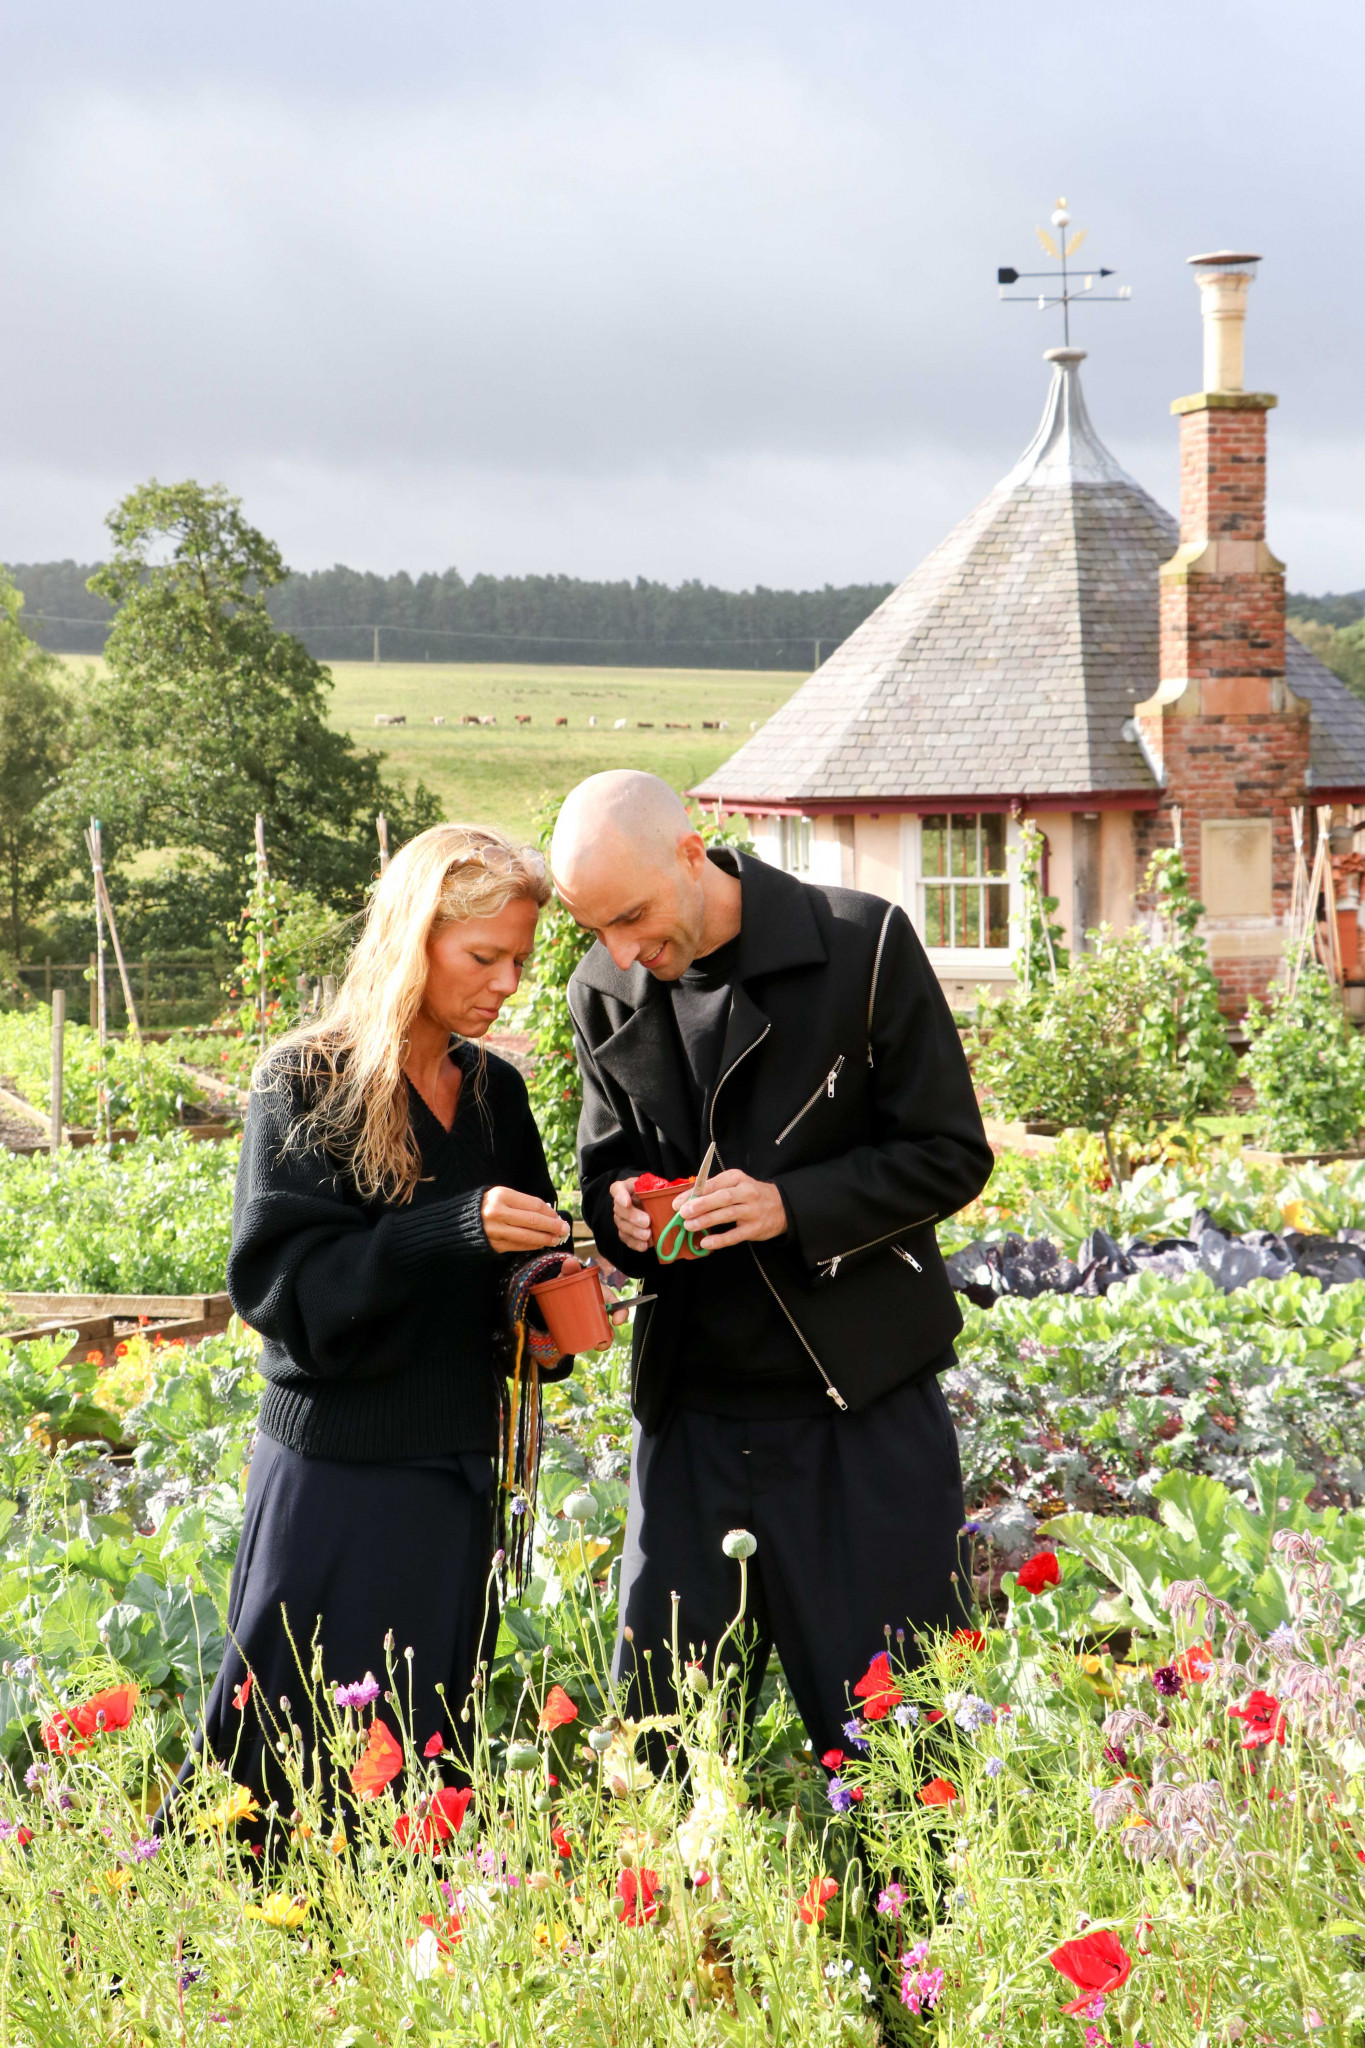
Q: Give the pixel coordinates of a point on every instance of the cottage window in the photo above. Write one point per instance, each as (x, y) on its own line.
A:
(794, 844)
(964, 886)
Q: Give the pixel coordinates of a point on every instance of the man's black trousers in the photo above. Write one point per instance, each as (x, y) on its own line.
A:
(858, 1520)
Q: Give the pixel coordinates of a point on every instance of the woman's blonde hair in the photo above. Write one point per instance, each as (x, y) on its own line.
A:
(351, 1059)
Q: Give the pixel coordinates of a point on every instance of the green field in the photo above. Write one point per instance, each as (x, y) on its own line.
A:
(503, 774)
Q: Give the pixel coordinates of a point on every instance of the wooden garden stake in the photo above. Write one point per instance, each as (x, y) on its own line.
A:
(102, 896)
(92, 840)
(58, 1034)
(381, 826)
(262, 954)
(1329, 890)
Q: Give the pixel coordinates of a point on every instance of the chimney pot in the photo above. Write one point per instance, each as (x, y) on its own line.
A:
(1224, 278)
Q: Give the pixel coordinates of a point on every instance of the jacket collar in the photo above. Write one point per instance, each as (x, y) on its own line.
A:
(778, 931)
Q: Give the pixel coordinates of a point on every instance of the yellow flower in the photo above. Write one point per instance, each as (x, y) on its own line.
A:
(337, 1845)
(556, 1935)
(112, 1880)
(1091, 1665)
(1295, 1215)
(280, 1910)
(239, 1805)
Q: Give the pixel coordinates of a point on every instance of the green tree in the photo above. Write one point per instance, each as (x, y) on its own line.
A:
(35, 729)
(208, 714)
(1307, 1066)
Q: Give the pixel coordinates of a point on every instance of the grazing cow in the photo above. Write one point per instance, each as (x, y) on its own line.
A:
(438, 721)
(390, 718)
(593, 719)
(561, 721)
(644, 725)
(710, 725)
(620, 724)
(523, 718)
(678, 725)
(724, 725)
(471, 718)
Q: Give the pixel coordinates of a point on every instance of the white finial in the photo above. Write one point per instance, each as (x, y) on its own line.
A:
(1061, 218)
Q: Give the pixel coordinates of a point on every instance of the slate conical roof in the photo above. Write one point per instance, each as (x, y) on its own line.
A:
(1008, 663)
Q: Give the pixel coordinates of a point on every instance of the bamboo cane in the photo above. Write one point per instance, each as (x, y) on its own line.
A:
(92, 840)
(262, 955)
(58, 1069)
(133, 1024)
(1300, 888)
(381, 826)
(1329, 890)
(1309, 915)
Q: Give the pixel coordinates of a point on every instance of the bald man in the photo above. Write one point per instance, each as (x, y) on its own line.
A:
(786, 1382)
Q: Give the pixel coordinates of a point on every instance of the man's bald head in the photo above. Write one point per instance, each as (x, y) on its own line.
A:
(630, 865)
(622, 813)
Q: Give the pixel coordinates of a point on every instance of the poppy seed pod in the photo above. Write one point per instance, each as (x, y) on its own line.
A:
(544, 1802)
(601, 1740)
(522, 1756)
(696, 1678)
(580, 1507)
(739, 1543)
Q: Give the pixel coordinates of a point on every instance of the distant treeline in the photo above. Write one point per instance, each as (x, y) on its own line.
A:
(344, 615)
(1330, 610)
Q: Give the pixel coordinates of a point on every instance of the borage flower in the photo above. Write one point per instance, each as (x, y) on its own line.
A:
(810, 1907)
(1264, 1718)
(443, 1818)
(1095, 1963)
(636, 1890)
(878, 1689)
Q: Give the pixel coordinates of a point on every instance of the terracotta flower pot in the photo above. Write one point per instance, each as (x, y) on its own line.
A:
(657, 1204)
(574, 1310)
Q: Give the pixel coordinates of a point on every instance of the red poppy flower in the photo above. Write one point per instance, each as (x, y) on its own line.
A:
(434, 1745)
(443, 1818)
(72, 1728)
(832, 1759)
(1195, 1665)
(563, 1845)
(382, 1760)
(558, 1709)
(878, 1689)
(635, 1889)
(1264, 1717)
(242, 1694)
(453, 1931)
(1095, 1963)
(1040, 1571)
(938, 1792)
(970, 1638)
(23, 1836)
(934, 1714)
(811, 1905)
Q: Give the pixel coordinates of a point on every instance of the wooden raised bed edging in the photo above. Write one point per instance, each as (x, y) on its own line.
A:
(102, 1321)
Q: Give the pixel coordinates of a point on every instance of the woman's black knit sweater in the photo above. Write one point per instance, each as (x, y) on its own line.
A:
(379, 1318)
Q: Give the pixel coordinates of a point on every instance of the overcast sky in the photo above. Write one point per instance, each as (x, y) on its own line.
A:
(613, 287)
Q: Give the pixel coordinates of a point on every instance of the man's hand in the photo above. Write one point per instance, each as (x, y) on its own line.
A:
(754, 1207)
(630, 1220)
(513, 1222)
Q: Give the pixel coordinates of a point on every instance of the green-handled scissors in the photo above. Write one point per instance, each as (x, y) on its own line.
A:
(675, 1238)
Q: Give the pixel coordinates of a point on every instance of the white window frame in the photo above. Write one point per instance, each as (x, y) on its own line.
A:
(967, 958)
(795, 844)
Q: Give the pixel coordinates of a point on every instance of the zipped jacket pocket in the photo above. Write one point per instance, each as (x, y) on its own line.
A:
(828, 1268)
(826, 1089)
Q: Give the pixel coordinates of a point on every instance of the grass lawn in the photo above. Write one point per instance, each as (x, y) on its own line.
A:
(503, 774)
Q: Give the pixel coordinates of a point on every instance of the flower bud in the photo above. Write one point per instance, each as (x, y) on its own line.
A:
(522, 1756)
(580, 1506)
(600, 1740)
(739, 1543)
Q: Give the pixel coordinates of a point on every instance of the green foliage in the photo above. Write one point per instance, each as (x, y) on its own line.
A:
(1042, 956)
(146, 1087)
(297, 940)
(149, 1218)
(1128, 1037)
(208, 714)
(1340, 644)
(35, 735)
(1307, 1066)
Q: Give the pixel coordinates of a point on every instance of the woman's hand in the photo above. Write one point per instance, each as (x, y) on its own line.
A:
(630, 1220)
(513, 1222)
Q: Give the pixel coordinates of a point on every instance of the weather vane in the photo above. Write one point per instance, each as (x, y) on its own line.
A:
(1061, 251)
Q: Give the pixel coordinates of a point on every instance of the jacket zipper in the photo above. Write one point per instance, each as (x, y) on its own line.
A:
(826, 1088)
(835, 1396)
(831, 1266)
(711, 1132)
(828, 1082)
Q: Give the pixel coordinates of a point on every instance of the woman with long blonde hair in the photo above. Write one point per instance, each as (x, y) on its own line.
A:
(389, 1167)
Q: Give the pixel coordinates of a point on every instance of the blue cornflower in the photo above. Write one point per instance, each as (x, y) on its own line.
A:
(840, 1797)
(853, 1735)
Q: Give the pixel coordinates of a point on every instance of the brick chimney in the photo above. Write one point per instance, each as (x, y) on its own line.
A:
(1225, 734)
